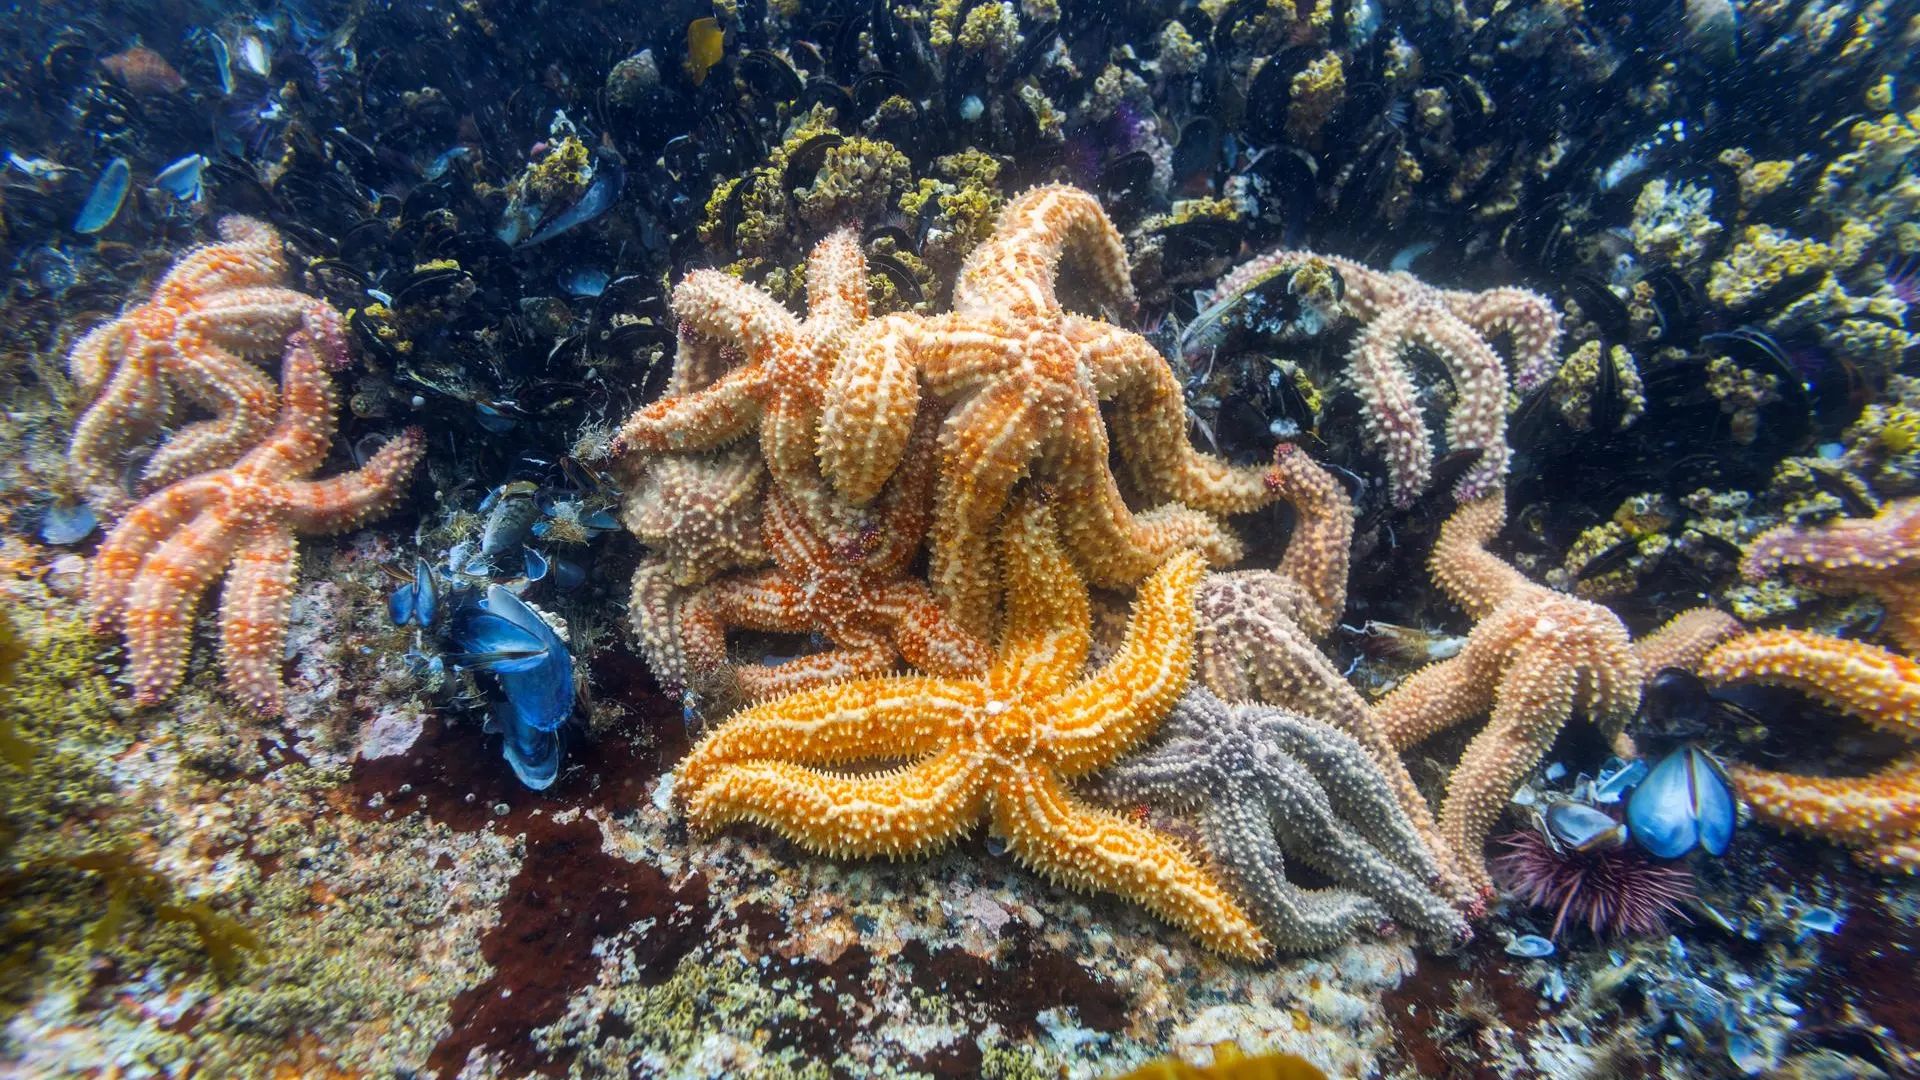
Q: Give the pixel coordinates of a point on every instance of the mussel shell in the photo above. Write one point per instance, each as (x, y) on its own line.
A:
(1198, 150)
(1198, 240)
(1675, 704)
(1601, 306)
(1127, 178)
(823, 91)
(1580, 827)
(1685, 801)
(805, 161)
(1272, 90)
(873, 89)
(897, 273)
(769, 76)
(1676, 304)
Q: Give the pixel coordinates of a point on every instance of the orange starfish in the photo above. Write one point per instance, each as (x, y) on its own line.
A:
(779, 386)
(1003, 746)
(1534, 656)
(858, 595)
(153, 567)
(1877, 815)
(219, 308)
(1026, 381)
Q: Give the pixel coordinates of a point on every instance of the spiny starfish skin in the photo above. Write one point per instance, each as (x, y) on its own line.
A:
(1877, 815)
(699, 512)
(1026, 382)
(1401, 312)
(152, 569)
(219, 308)
(778, 387)
(1269, 783)
(1258, 631)
(860, 596)
(1002, 746)
(1533, 658)
(1878, 555)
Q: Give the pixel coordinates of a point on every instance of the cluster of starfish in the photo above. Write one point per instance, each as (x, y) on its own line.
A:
(1402, 313)
(1877, 815)
(880, 436)
(238, 491)
(987, 434)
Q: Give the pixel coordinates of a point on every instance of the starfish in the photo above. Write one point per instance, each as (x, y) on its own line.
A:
(1877, 815)
(1534, 657)
(1004, 746)
(217, 309)
(151, 570)
(1878, 555)
(1268, 783)
(859, 596)
(1402, 313)
(778, 387)
(1025, 381)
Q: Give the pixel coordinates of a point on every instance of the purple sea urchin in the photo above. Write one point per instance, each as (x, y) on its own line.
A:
(1615, 891)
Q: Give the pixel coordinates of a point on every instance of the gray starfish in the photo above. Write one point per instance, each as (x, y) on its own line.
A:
(1269, 783)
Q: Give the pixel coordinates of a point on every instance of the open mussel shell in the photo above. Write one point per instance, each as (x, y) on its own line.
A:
(1271, 92)
(769, 77)
(1576, 826)
(1757, 350)
(1128, 179)
(1686, 801)
(805, 161)
(1198, 150)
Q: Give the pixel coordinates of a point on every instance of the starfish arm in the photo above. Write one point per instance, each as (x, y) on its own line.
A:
(1365, 839)
(158, 622)
(707, 418)
(1095, 850)
(253, 321)
(1240, 835)
(796, 546)
(116, 566)
(904, 812)
(96, 356)
(1901, 598)
(970, 351)
(872, 397)
(1111, 544)
(1103, 716)
(1479, 417)
(134, 402)
(837, 280)
(1684, 641)
(905, 507)
(761, 600)
(653, 612)
(1861, 812)
(299, 442)
(1529, 321)
(1884, 545)
(834, 725)
(1392, 416)
(1319, 552)
(1474, 578)
(723, 308)
(253, 619)
(986, 448)
(1534, 700)
(242, 398)
(857, 654)
(1880, 687)
(248, 254)
(1015, 269)
(1433, 699)
(1177, 773)
(348, 501)
(1043, 646)
(926, 637)
(1150, 426)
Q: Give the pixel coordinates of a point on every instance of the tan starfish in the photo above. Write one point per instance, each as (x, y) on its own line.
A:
(1534, 657)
